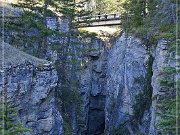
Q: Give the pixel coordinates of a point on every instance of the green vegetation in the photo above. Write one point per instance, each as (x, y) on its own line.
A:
(168, 122)
(108, 6)
(143, 99)
(168, 70)
(115, 36)
(139, 17)
(67, 129)
(8, 113)
(147, 23)
(166, 82)
(136, 15)
(120, 130)
(30, 30)
(32, 34)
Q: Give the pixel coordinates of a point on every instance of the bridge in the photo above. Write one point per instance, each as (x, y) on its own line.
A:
(99, 20)
(113, 19)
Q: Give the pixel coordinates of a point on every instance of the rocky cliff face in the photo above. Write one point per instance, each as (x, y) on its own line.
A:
(110, 84)
(120, 87)
(30, 84)
(126, 73)
(93, 90)
(163, 58)
(128, 94)
(113, 86)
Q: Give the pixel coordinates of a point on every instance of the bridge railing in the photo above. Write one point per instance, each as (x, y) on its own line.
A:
(102, 17)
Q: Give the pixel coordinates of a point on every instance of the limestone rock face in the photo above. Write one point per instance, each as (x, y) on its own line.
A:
(160, 55)
(168, 9)
(126, 72)
(30, 83)
(93, 89)
(110, 83)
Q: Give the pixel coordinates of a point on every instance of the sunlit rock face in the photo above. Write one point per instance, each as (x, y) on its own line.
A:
(110, 83)
(126, 72)
(30, 84)
(163, 58)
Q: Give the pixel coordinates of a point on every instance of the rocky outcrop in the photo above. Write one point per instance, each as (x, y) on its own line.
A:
(110, 84)
(93, 90)
(116, 88)
(30, 84)
(126, 72)
(117, 93)
(120, 87)
(161, 60)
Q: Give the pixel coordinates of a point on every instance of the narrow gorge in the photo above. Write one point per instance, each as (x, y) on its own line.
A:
(91, 83)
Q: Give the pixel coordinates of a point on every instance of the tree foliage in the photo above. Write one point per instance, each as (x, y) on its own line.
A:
(145, 20)
(169, 119)
(8, 113)
(30, 32)
(108, 6)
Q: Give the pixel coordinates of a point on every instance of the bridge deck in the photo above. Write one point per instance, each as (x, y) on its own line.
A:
(99, 20)
(100, 23)
(95, 21)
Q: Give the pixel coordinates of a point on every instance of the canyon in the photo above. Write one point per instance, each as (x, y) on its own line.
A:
(97, 83)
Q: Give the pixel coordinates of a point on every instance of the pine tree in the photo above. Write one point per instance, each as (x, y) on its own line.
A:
(169, 116)
(108, 6)
(69, 90)
(135, 8)
(146, 20)
(169, 105)
(30, 29)
(8, 113)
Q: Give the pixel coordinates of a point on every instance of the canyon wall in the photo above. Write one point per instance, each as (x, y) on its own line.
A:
(126, 79)
(93, 89)
(114, 86)
(120, 88)
(118, 84)
(30, 84)
(110, 83)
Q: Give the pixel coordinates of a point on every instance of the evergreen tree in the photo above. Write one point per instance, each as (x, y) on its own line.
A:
(32, 32)
(108, 6)
(30, 28)
(135, 8)
(8, 125)
(169, 115)
(141, 14)
(145, 19)
(168, 103)
(69, 88)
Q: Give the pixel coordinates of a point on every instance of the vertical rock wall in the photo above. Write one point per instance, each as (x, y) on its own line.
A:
(93, 90)
(110, 83)
(127, 65)
(30, 84)
(162, 59)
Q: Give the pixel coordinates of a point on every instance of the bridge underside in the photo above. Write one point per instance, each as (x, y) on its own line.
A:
(100, 23)
(108, 29)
